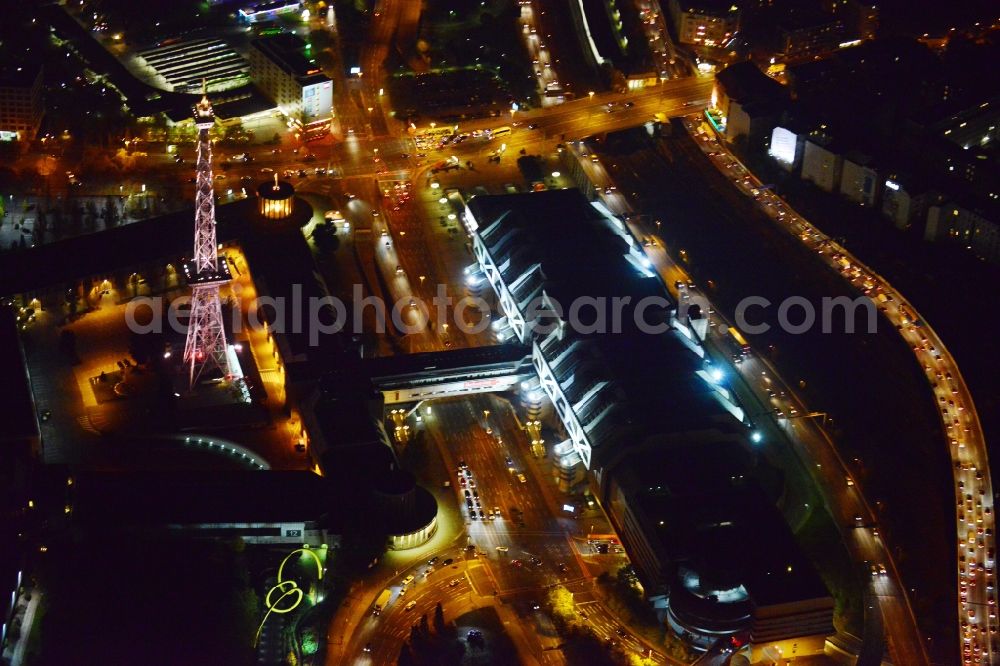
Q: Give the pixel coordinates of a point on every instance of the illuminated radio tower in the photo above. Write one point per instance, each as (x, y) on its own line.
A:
(205, 348)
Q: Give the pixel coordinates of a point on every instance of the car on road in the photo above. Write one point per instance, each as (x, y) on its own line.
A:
(522, 478)
(410, 606)
(496, 512)
(409, 579)
(447, 562)
(432, 561)
(368, 647)
(454, 582)
(517, 563)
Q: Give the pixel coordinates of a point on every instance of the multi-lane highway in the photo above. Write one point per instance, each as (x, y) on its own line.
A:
(763, 391)
(975, 520)
(509, 558)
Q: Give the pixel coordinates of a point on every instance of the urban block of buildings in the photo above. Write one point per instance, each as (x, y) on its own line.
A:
(647, 424)
(186, 66)
(21, 101)
(284, 70)
(705, 22)
(939, 173)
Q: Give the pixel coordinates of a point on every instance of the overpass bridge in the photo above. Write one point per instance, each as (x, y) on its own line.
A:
(457, 372)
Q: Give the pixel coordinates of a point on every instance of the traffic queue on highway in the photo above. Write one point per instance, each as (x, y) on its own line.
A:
(977, 614)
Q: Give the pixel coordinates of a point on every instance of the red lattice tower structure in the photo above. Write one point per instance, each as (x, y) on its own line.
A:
(205, 349)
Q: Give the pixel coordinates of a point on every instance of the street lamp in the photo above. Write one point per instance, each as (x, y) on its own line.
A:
(591, 94)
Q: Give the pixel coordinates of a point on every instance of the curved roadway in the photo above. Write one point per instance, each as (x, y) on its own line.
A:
(975, 566)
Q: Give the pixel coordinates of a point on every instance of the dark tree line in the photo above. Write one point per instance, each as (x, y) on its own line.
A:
(428, 647)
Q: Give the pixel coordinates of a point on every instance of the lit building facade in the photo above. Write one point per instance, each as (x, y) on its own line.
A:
(977, 126)
(705, 22)
(786, 148)
(859, 179)
(266, 11)
(275, 200)
(860, 17)
(821, 164)
(903, 200)
(21, 104)
(284, 70)
(802, 37)
(974, 226)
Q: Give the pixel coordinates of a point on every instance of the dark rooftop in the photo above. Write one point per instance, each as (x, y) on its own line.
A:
(16, 74)
(583, 254)
(409, 364)
(736, 534)
(288, 51)
(278, 189)
(152, 498)
(710, 464)
(744, 82)
(17, 409)
(804, 15)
